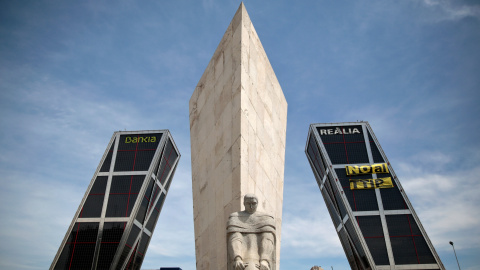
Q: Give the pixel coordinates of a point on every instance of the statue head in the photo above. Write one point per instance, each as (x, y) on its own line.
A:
(250, 202)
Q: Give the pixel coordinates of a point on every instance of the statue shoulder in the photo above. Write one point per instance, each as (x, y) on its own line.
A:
(238, 214)
(262, 214)
(234, 214)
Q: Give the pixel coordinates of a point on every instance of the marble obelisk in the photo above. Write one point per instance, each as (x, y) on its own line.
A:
(238, 118)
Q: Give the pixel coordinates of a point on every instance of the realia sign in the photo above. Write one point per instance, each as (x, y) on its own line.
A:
(338, 130)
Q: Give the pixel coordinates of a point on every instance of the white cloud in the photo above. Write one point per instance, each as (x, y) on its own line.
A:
(55, 127)
(310, 237)
(176, 219)
(307, 229)
(446, 204)
(49, 118)
(452, 10)
(34, 211)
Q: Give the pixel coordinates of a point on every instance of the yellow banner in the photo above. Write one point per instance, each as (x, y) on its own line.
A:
(367, 169)
(371, 183)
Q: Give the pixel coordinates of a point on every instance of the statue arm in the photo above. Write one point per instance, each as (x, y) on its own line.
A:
(267, 247)
(236, 249)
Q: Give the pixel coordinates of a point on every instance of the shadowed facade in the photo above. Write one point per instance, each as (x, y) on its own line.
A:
(376, 223)
(117, 216)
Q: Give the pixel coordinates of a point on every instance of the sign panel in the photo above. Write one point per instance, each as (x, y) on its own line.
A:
(340, 131)
(371, 183)
(367, 169)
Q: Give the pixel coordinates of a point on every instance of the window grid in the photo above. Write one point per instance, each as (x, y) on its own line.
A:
(100, 251)
(167, 161)
(79, 248)
(315, 157)
(362, 148)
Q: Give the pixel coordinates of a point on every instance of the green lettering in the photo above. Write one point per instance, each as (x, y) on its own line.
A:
(140, 139)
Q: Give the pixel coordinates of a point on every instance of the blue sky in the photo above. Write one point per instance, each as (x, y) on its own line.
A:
(71, 73)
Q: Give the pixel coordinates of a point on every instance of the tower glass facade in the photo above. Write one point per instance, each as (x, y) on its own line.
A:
(377, 226)
(116, 218)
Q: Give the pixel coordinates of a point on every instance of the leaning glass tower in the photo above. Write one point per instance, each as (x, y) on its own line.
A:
(116, 218)
(374, 219)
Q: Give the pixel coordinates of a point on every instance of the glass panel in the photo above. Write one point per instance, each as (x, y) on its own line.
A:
(125, 160)
(378, 250)
(356, 242)
(157, 165)
(365, 200)
(99, 185)
(113, 231)
(404, 250)
(123, 194)
(140, 254)
(348, 148)
(169, 181)
(357, 153)
(331, 209)
(93, 206)
(359, 200)
(337, 153)
(314, 155)
(80, 247)
(156, 212)
(408, 244)
(336, 196)
(131, 259)
(142, 211)
(129, 245)
(94, 202)
(347, 248)
(112, 234)
(391, 197)
(135, 152)
(424, 253)
(144, 244)
(377, 157)
(347, 153)
(351, 133)
(168, 159)
(371, 227)
(133, 236)
(144, 159)
(153, 198)
(329, 190)
(108, 159)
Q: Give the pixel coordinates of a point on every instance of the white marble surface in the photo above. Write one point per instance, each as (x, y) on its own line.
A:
(238, 117)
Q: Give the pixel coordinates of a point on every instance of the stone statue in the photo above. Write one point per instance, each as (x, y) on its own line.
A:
(251, 238)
